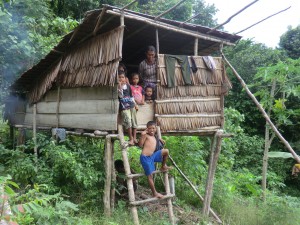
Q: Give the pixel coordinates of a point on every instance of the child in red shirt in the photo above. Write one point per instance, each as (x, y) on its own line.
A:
(137, 90)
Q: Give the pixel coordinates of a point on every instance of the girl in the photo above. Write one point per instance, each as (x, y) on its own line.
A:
(137, 90)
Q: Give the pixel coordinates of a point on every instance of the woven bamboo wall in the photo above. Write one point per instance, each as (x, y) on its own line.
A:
(191, 107)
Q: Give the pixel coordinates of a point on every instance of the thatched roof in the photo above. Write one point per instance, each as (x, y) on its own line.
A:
(139, 32)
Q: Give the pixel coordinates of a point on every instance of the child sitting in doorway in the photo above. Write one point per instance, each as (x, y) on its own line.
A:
(128, 108)
(149, 94)
(149, 156)
(137, 90)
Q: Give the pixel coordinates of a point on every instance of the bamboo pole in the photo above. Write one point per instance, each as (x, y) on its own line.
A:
(113, 177)
(129, 4)
(169, 10)
(214, 156)
(34, 132)
(108, 167)
(131, 195)
(170, 27)
(167, 187)
(194, 189)
(181, 24)
(262, 20)
(264, 114)
(99, 20)
(229, 19)
(187, 116)
(57, 107)
(196, 47)
(187, 100)
(157, 41)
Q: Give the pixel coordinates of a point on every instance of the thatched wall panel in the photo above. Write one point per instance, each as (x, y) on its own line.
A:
(188, 91)
(168, 124)
(188, 107)
(44, 83)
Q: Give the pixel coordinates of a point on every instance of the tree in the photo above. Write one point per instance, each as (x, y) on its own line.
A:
(285, 82)
(290, 42)
(26, 34)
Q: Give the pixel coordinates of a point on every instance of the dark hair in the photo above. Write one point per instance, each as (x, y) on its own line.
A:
(151, 123)
(135, 74)
(149, 86)
(124, 68)
(150, 48)
(121, 72)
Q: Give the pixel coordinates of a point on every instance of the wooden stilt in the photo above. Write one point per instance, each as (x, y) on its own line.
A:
(113, 178)
(131, 195)
(34, 132)
(108, 167)
(167, 187)
(214, 155)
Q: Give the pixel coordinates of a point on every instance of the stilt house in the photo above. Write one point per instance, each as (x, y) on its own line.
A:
(74, 86)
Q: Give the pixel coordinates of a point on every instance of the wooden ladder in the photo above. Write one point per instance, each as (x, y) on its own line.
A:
(131, 195)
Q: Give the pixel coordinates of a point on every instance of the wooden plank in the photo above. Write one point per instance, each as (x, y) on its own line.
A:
(145, 114)
(78, 107)
(82, 93)
(85, 121)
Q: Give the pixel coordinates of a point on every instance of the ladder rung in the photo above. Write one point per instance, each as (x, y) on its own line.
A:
(142, 174)
(151, 200)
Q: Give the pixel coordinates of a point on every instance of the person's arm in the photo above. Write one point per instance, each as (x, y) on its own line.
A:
(143, 138)
(120, 90)
(162, 141)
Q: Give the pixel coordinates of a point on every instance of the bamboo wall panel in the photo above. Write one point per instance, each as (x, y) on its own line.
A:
(77, 107)
(85, 121)
(82, 93)
(145, 114)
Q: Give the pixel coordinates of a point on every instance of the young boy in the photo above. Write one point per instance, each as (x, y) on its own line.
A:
(149, 156)
(149, 95)
(137, 90)
(128, 108)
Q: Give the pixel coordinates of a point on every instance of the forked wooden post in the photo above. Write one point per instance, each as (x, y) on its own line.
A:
(167, 188)
(108, 167)
(128, 172)
(214, 155)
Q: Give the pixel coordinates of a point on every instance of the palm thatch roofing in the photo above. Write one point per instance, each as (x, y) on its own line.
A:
(139, 31)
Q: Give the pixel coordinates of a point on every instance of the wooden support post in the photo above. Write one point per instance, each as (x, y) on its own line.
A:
(108, 166)
(157, 41)
(172, 184)
(167, 187)
(131, 195)
(169, 200)
(34, 131)
(196, 47)
(21, 136)
(214, 155)
(113, 178)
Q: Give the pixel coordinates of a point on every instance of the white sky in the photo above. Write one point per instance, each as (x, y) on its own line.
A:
(267, 32)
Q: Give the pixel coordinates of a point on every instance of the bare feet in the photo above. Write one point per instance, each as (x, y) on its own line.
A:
(165, 168)
(131, 143)
(158, 195)
(136, 141)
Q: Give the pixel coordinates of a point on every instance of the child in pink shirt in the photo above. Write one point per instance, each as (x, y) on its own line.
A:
(137, 90)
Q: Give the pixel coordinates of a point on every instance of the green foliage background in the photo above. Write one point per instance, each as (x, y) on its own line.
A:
(66, 183)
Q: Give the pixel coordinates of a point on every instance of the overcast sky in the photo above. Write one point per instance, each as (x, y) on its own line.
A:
(267, 32)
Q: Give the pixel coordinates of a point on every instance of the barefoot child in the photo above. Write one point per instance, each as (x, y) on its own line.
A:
(128, 108)
(149, 156)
